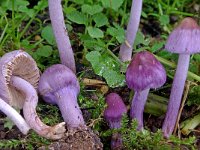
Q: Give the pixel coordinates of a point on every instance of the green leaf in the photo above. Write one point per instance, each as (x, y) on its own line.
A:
(91, 9)
(95, 32)
(100, 19)
(157, 46)
(29, 12)
(77, 17)
(114, 4)
(69, 10)
(164, 19)
(44, 51)
(41, 5)
(105, 66)
(140, 39)
(117, 32)
(8, 123)
(47, 34)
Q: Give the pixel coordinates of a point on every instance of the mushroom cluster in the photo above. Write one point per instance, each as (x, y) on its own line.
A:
(19, 80)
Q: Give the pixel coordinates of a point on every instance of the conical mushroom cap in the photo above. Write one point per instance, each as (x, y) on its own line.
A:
(21, 64)
(185, 38)
(145, 72)
(115, 110)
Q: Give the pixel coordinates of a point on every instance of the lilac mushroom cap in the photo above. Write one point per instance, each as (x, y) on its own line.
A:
(59, 85)
(113, 115)
(21, 64)
(185, 41)
(115, 110)
(144, 72)
(184, 38)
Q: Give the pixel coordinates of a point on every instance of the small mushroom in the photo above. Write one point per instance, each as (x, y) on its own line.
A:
(59, 85)
(144, 72)
(183, 40)
(125, 53)
(61, 34)
(113, 115)
(19, 81)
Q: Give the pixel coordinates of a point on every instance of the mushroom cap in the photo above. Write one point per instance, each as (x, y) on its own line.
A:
(145, 72)
(184, 38)
(21, 64)
(115, 109)
(55, 78)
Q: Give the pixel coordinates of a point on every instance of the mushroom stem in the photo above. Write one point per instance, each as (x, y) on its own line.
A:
(137, 107)
(176, 94)
(67, 103)
(116, 141)
(13, 115)
(61, 34)
(29, 111)
(125, 52)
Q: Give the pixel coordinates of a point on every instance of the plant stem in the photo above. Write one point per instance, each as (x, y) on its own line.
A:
(156, 105)
(176, 94)
(137, 107)
(173, 65)
(188, 125)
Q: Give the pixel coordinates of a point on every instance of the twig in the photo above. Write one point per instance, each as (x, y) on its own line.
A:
(187, 87)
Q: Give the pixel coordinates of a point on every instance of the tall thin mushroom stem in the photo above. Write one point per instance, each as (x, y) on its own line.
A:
(61, 34)
(14, 116)
(125, 53)
(176, 94)
(29, 110)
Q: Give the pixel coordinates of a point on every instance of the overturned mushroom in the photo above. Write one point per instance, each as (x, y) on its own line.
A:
(19, 80)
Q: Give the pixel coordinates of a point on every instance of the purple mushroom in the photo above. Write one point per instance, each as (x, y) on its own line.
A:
(59, 85)
(144, 72)
(19, 79)
(185, 41)
(125, 53)
(113, 115)
(61, 34)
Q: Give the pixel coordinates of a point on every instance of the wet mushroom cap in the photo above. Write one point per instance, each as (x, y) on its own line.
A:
(115, 107)
(185, 38)
(50, 82)
(21, 64)
(144, 72)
